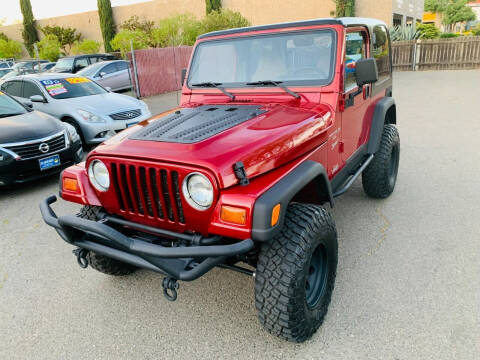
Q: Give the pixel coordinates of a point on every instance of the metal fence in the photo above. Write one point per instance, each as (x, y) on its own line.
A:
(437, 54)
(159, 69)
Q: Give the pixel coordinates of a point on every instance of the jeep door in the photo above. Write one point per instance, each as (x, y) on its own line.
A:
(354, 119)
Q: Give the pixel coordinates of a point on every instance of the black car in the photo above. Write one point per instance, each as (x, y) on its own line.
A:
(72, 64)
(33, 144)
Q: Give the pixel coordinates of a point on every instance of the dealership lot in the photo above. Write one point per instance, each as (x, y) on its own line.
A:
(407, 284)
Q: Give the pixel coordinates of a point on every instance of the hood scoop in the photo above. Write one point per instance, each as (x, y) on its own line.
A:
(191, 125)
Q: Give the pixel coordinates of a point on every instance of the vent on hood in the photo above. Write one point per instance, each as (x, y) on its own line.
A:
(190, 125)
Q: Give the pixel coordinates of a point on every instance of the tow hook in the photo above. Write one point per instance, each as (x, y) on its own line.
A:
(81, 255)
(170, 287)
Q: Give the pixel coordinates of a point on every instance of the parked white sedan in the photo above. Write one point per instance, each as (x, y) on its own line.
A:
(95, 112)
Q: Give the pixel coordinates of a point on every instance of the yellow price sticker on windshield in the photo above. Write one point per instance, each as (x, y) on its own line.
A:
(1, 93)
(77, 80)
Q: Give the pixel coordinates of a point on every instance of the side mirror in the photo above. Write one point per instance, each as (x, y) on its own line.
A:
(102, 74)
(37, 98)
(28, 104)
(366, 71)
(184, 74)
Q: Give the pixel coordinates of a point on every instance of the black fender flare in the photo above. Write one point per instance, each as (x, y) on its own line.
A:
(282, 193)
(378, 120)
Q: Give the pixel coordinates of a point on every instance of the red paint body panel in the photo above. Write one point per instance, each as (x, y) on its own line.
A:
(314, 127)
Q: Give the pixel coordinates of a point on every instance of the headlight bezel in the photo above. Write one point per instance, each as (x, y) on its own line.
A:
(93, 178)
(188, 196)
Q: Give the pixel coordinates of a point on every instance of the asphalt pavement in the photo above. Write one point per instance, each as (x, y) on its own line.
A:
(408, 280)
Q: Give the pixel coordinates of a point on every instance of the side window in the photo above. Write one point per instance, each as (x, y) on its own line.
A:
(81, 63)
(109, 69)
(13, 88)
(381, 52)
(122, 65)
(30, 89)
(94, 59)
(355, 50)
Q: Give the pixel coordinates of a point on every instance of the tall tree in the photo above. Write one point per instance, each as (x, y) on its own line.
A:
(66, 36)
(436, 6)
(106, 23)
(345, 8)
(213, 5)
(457, 11)
(29, 33)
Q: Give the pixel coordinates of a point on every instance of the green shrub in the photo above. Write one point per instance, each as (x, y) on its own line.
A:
(10, 49)
(448, 35)
(121, 41)
(3, 36)
(181, 29)
(223, 19)
(428, 31)
(403, 32)
(86, 46)
(476, 30)
(49, 48)
(66, 36)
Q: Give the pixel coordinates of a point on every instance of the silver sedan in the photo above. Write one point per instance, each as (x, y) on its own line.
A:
(113, 74)
(95, 112)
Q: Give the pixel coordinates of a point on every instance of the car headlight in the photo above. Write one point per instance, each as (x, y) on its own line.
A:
(198, 191)
(99, 175)
(88, 116)
(72, 132)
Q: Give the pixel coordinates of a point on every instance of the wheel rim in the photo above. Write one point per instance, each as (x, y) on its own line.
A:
(393, 168)
(315, 286)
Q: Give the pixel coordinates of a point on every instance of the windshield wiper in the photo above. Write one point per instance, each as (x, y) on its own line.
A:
(12, 114)
(275, 83)
(215, 85)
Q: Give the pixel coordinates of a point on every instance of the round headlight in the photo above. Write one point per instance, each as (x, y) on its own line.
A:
(198, 191)
(98, 175)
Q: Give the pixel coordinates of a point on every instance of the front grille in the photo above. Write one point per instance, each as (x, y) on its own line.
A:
(32, 149)
(148, 191)
(126, 115)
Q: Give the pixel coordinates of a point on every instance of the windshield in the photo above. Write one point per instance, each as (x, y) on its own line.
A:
(295, 58)
(9, 107)
(64, 64)
(90, 70)
(71, 87)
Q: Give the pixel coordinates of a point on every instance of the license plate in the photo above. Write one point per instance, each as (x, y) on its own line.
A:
(49, 162)
(131, 124)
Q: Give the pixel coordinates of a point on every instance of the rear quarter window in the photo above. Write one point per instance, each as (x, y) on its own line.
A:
(13, 88)
(381, 52)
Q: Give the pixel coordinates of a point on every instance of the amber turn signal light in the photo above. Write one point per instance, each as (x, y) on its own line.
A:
(233, 215)
(70, 184)
(275, 214)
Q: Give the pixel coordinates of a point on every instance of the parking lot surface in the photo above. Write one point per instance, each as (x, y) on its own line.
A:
(407, 282)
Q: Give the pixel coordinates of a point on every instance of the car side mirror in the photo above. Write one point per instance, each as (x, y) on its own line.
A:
(28, 104)
(37, 98)
(102, 74)
(366, 71)
(184, 74)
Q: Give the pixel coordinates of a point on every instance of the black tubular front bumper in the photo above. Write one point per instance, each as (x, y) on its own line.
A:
(177, 262)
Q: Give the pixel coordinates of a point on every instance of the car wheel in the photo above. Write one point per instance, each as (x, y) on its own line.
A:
(102, 263)
(380, 176)
(295, 273)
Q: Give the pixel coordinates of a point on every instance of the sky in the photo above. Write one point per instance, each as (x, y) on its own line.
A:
(10, 9)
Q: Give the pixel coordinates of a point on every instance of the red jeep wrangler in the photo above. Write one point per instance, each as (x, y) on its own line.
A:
(275, 122)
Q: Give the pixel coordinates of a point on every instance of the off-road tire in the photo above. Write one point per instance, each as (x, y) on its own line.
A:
(283, 269)
(99, 262)
(380, 176)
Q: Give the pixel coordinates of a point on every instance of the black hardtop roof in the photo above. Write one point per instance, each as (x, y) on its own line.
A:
(344, 21)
